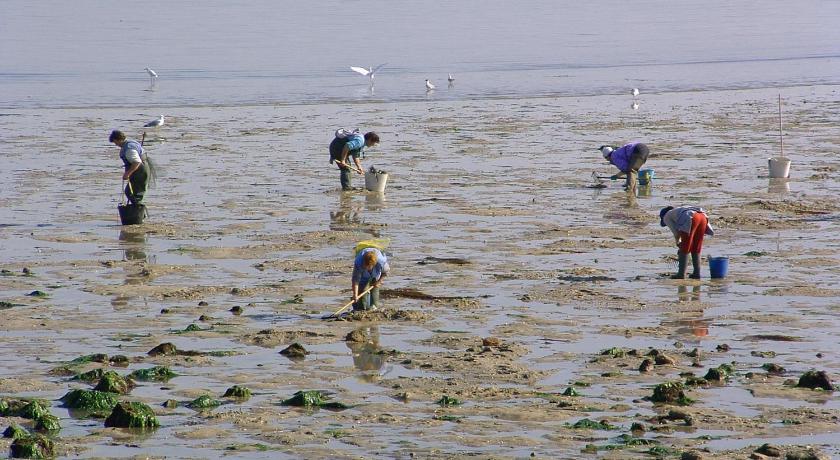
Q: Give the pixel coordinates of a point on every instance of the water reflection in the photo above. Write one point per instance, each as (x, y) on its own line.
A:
(347, 215)
(778, 186)
(645, 190)
(134, 245)
(686, 295)
(367, 354)
(374, 201)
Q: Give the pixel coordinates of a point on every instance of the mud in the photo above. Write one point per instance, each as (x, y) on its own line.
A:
(510, 276)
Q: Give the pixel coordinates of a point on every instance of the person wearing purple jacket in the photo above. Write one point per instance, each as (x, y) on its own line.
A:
(628, 159)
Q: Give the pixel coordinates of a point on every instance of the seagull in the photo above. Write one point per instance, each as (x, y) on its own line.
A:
(635, 92)
(152, 75)
(429, 85)
(369, 72)
(154, 123)
(450, 79)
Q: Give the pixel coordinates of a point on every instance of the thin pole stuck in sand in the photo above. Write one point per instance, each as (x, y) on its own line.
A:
(781, 142)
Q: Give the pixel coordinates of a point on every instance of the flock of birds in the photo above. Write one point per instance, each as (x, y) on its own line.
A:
(370, 72)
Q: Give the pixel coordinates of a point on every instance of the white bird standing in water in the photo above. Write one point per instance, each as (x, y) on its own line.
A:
(429, 85)
(369, 72)
(635, 92)
(154, 123)
(450, 79)
(152, 76)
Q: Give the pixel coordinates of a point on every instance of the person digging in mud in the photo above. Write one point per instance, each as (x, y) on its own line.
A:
(138, 168)
(348, 144)
(688, 224)
(369, 268)
(628, 159)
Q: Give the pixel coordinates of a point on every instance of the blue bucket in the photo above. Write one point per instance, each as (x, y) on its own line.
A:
(718, 266)
(645, 176)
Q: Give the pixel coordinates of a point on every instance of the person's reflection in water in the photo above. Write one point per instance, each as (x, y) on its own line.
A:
(683, 294)
(367, 355)
(347, 215)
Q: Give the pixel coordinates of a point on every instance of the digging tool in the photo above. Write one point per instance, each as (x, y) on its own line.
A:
(337, 312)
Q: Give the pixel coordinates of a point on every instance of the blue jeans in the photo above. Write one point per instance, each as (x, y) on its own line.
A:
(371, 298)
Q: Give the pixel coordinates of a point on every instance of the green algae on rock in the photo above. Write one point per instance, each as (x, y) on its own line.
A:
(132, 415)
(237, 392)
(204, 402)
(170, 404)
(33, 409)
(815, 379)
(614, 352)
(47, 422)
(571, 392)
(15, 432)
(36, 446)
(670, 393)
(720, 373)
(96, 403)
(156, 373)
(164, 349)
(446, 400)
(111, 382)
(90, 376)
(586, 423)
(312, 398)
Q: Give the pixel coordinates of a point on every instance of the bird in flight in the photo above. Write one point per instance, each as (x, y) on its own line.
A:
(429, 85)
(369, 72)
(154, 123)
(152, 75)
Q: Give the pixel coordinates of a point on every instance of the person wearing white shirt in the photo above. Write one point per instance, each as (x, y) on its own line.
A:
(137, 171)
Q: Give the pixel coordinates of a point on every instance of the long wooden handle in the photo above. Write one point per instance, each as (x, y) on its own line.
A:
(350, 302)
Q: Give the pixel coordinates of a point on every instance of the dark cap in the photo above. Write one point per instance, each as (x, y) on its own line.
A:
(662, 213)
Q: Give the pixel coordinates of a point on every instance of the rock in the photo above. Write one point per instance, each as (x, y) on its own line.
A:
(163, 349)
(446, 400)
(722, 348)
(638, 427)
(96, 403)
(111, 382)
(236, 310)
(32, 409)
(571, 392)
(157, 373)
(815, 379)
(15, 432)
(119, 360)
(770, 451)
(132, 415)
(90, 376)
(47, 422)
(691, 455)
(720, 373)
(204, 318)
(491, 342)
(663, 359)
(37, 446)
(757, 456)
(204, 402)
(356, 336)
(670, 393)
(296, 350)
(773, 368)
(312, 398)
(203, 304)
(237, 392)
(806, 454)
(170, 404)
(165, 311)
(646, 366)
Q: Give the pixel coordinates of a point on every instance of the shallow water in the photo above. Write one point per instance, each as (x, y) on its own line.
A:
(485, 180)
(286, 52)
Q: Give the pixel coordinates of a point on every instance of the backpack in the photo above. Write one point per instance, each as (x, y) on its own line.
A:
(342, 135)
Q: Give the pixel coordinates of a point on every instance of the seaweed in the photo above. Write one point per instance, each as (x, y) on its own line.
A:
(156, 373)
(446, 400)
(312, 398)
(132, 415)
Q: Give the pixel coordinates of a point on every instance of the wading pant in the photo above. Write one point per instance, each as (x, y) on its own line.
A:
(369, 299)
(137, 183)
(637, 159)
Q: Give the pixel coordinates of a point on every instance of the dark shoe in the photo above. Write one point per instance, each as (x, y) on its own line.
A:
(678, 276)
(694, 276)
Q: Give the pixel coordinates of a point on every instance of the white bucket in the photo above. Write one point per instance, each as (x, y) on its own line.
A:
(779, 167)
(375, 181)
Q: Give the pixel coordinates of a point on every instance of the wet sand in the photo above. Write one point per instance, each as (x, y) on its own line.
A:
(551, 271)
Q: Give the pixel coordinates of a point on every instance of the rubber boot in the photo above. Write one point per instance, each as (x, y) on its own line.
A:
(682, 257)
(695, 262)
